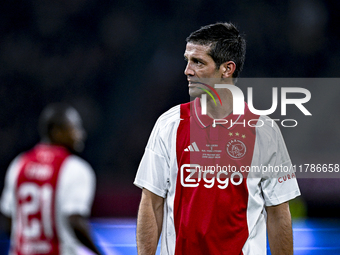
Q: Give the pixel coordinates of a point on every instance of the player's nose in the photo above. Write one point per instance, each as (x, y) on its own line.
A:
(188, 70)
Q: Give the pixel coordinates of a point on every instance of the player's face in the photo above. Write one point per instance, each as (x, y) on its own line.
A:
(199, 67)
(74, 133)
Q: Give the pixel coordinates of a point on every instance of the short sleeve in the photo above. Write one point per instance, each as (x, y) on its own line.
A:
(153, 170)
(279, 185)
(281, 188)
(7, 197)
(76, 187)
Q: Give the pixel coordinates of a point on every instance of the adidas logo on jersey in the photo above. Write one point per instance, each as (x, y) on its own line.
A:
(192, 147)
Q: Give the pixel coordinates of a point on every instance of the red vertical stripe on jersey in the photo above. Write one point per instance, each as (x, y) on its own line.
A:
(36, 231)
(211, 218)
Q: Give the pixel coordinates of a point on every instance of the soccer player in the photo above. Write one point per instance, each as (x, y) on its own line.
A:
(49, 190)
(198, 208)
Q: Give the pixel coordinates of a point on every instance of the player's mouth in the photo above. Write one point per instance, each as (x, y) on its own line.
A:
(193, 83)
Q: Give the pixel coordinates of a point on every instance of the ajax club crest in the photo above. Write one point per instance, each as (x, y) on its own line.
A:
(236, 148)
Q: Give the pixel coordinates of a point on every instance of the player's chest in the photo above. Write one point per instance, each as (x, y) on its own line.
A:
(215, 145)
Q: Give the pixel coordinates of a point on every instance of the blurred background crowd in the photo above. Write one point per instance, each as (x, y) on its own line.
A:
(120, 63)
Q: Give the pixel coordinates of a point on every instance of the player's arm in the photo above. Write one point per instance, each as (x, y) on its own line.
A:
(5, 223)
(7, 200)
(77, 189)
(149, 222)
(81, 229)
(280, 233)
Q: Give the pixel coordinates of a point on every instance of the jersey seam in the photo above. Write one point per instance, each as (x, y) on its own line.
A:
(278, 198)
(155, 153)
(147, 185)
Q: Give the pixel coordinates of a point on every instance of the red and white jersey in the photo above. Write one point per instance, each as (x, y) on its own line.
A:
(43, 186)
(214, 203)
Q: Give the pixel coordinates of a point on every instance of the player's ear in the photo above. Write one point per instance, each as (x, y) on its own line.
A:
(227, 69)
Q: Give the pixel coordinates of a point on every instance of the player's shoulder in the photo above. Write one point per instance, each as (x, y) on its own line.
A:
(16, 160)
(169, 117)
(77, 162)
(76, 166)
(14, 167)
(269, 123)
(268, 127)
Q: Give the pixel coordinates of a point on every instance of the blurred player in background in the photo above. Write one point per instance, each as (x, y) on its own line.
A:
(49, 191)
(211, 212)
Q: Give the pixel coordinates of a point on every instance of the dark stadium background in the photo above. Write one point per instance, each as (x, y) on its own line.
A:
(120, 63)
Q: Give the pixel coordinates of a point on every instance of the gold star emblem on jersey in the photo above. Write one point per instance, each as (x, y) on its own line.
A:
(230, 134)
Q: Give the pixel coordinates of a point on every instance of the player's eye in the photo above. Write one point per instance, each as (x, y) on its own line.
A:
(196, 61)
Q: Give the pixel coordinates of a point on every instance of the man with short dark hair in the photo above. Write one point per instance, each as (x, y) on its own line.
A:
(196, 190)
(49, 190)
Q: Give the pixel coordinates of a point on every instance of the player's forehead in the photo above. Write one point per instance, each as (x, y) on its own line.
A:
(194, 50)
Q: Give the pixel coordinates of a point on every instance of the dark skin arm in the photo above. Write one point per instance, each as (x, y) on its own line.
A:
(280, 233)
(5, 230)
(5, 224)
(81, 229)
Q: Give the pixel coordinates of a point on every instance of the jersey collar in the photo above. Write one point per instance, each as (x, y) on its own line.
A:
(205, 121)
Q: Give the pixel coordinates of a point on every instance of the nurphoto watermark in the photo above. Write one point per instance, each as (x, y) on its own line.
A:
(238, 104)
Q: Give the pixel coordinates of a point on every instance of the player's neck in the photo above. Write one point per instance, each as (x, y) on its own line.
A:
(219, 111)
(50, 142)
